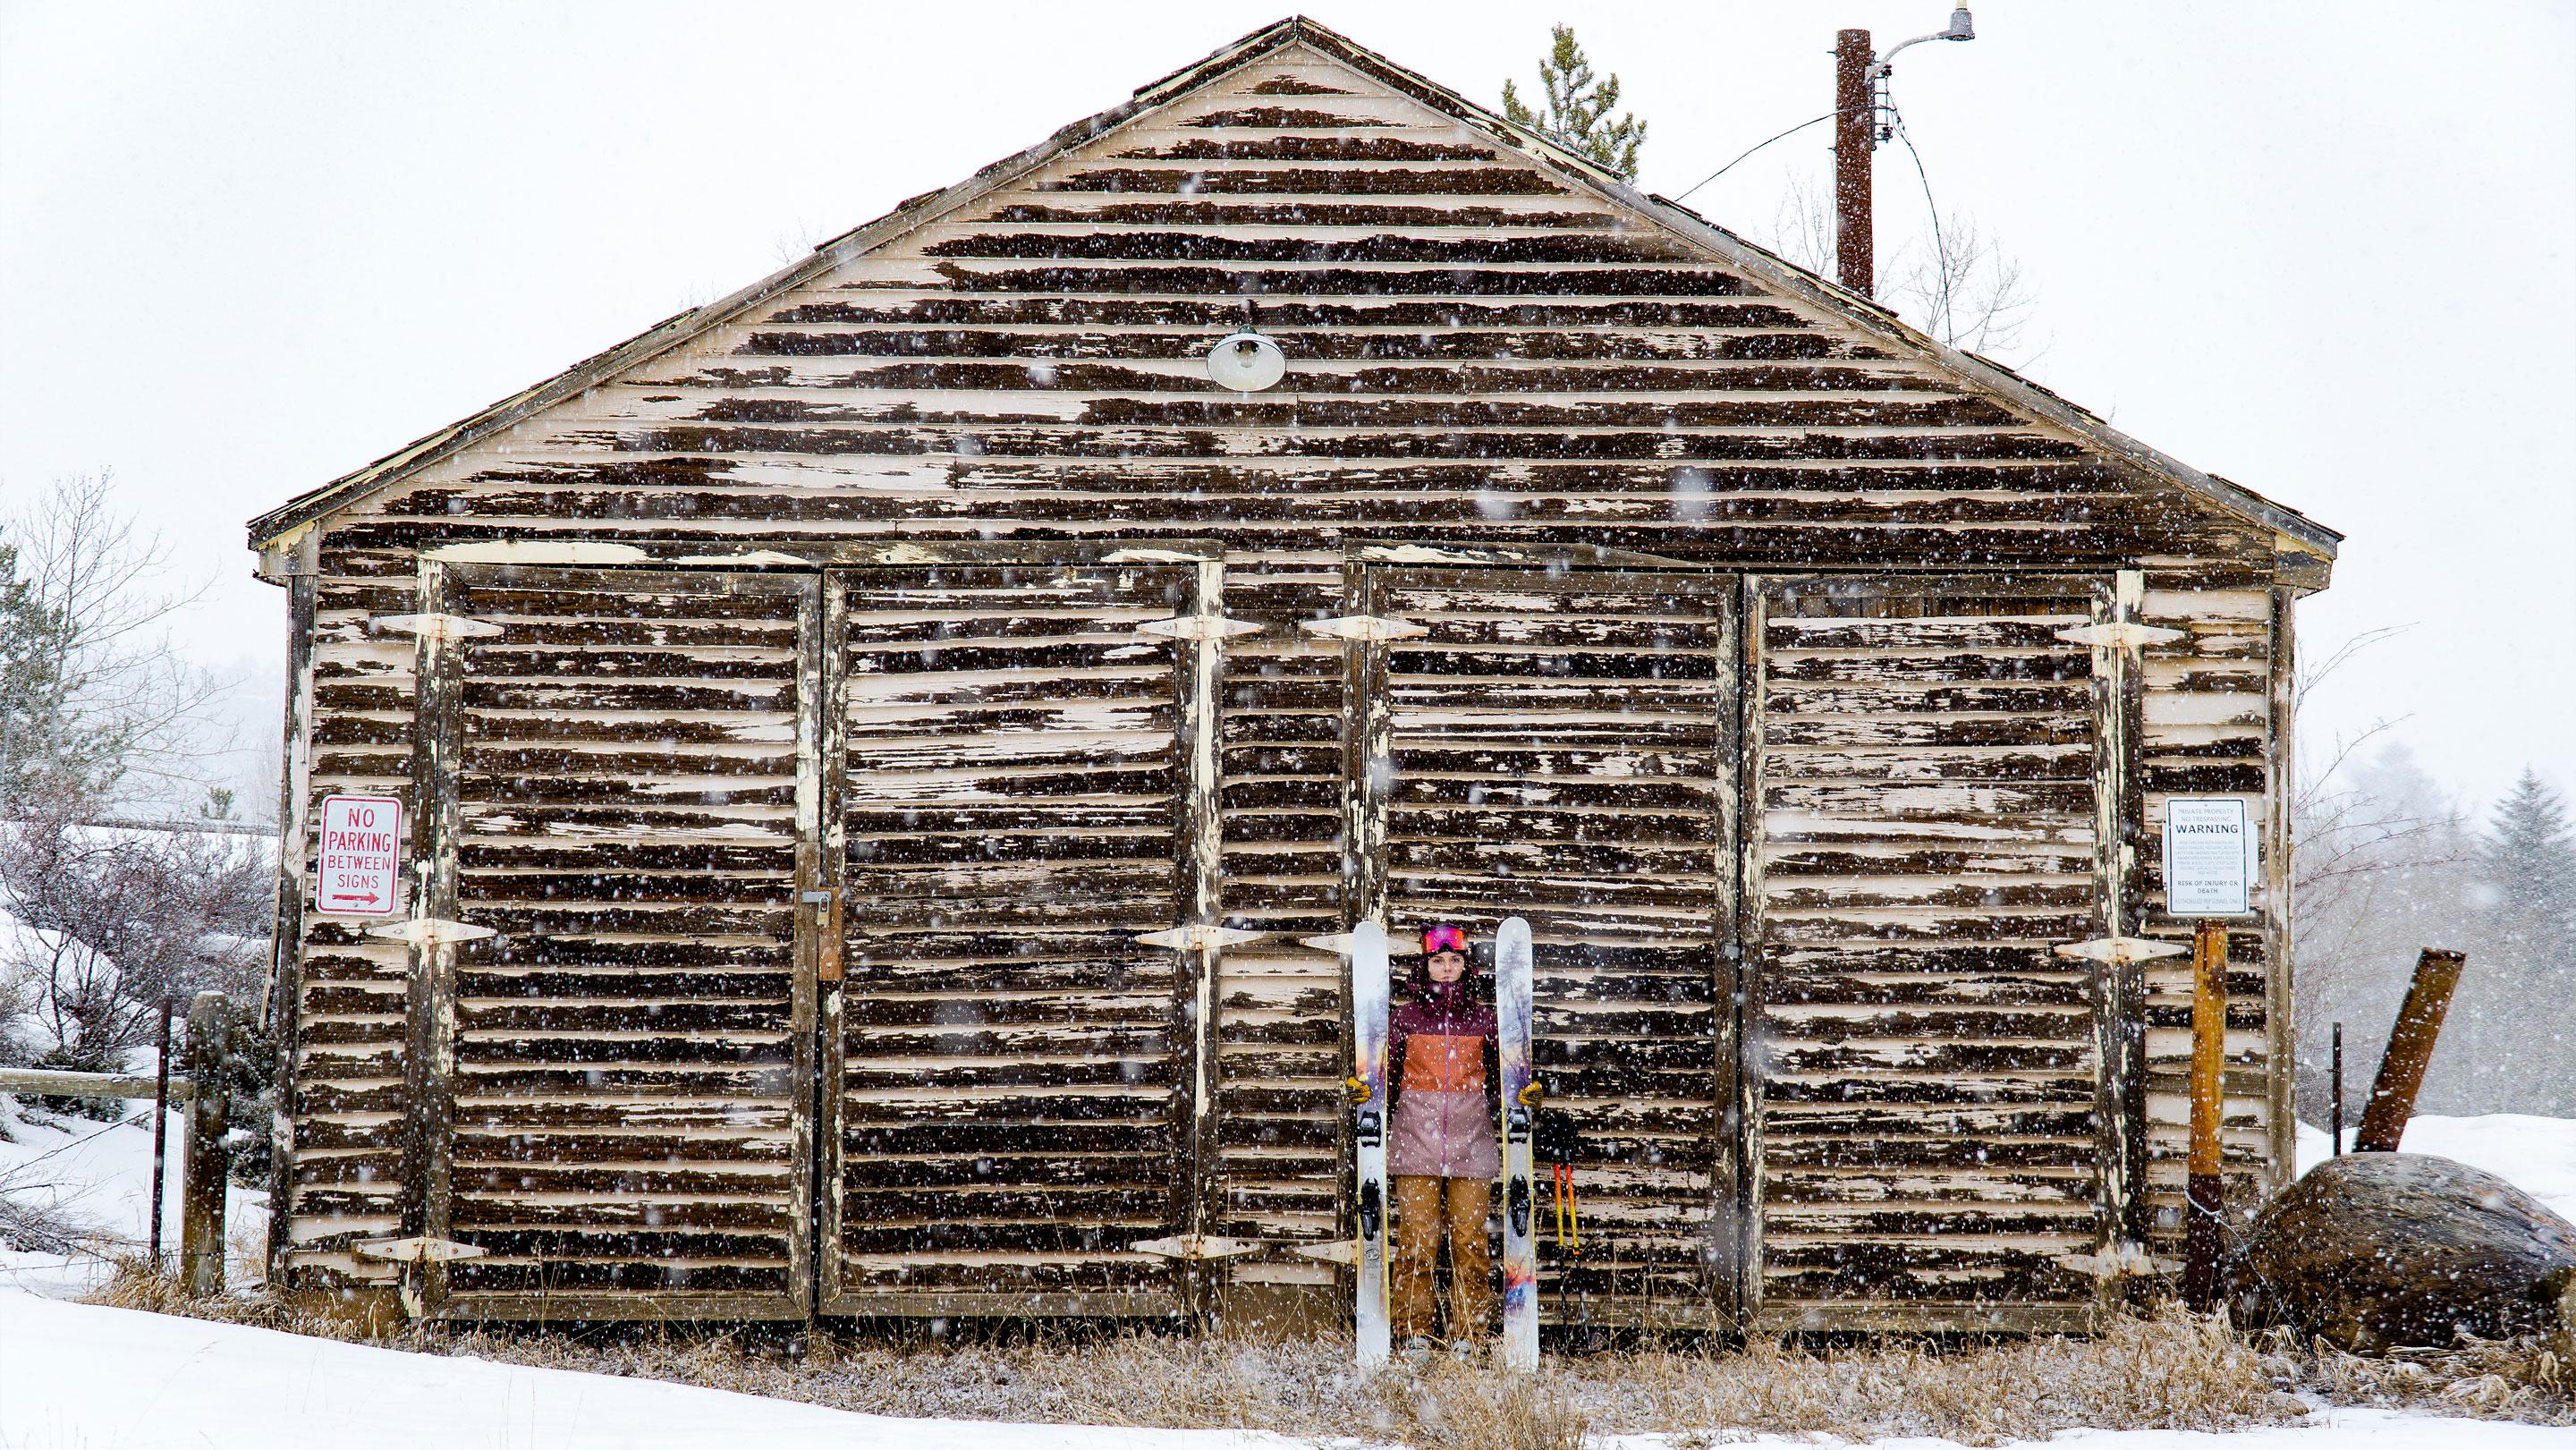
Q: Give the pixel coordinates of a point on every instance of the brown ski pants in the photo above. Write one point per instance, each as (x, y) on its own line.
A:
(1426, 1211)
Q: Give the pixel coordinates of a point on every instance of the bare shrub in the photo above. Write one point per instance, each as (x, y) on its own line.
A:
(103, 926)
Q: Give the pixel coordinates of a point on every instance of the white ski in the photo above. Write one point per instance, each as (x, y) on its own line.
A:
(1368, 1136)
(1512, 991)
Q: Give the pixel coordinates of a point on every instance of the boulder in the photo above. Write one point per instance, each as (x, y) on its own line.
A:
(2372, 1251)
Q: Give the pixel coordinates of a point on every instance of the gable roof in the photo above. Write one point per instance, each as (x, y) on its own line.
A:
(2295, 531)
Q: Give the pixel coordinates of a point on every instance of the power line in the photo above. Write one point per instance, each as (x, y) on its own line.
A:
(1940, 249)
(1730, 166)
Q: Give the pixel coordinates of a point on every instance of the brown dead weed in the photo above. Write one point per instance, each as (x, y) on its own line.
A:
(2168, 1370)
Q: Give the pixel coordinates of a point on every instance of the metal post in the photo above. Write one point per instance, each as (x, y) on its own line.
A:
(2410, 1051)
(160, 1132)
(201, 1184)
(2338, 1092)
(2208, 1112)
(1855, 138)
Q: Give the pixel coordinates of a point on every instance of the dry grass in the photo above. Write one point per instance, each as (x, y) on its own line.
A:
(2524, 1379)
(2167, 1371)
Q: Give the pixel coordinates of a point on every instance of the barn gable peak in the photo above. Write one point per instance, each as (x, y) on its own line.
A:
(1289, 77)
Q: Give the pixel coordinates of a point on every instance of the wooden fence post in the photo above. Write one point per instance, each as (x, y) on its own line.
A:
(2338, 1092)
(2206, 1189)
(2410, 1051)
(201, 1185)
(160, 1138)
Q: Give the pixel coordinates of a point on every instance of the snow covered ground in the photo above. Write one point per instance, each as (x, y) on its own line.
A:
(74, 1375)
(101, 1175)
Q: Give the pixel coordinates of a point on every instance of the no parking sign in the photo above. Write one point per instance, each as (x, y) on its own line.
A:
(360, 861)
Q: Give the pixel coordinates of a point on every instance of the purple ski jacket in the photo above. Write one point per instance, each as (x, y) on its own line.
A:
(1442, 1083)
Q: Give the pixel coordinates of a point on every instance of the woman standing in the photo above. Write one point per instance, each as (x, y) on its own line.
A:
(1444, 1156)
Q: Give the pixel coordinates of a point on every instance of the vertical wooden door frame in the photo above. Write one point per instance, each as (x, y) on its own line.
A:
(1197, 676)
(2120, 988)
(1366, 725)
(429, 1044)
(1198, 669)
(1368, 741)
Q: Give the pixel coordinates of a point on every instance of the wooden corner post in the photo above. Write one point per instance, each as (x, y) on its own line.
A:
(2207, 1193)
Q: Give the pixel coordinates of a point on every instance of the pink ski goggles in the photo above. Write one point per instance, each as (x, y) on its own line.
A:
(1438, 939)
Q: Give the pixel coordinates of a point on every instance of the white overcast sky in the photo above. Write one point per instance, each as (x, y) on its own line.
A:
(2322, 249)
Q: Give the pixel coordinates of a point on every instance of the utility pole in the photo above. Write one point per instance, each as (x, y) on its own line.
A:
(1855, 138)
(1857, 77)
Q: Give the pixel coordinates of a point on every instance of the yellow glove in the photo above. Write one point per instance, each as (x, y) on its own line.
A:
(1530, 1095)
(1360, 1092)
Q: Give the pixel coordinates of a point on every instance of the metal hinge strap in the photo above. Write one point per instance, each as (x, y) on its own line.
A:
(1198, 627)
(2119, 634)
(2120, 950)
(433, 626)
(1199, 938)
(429, 931)
(1369, 628)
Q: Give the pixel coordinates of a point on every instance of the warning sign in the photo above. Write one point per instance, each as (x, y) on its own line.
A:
(360, 857)
(2209, 857)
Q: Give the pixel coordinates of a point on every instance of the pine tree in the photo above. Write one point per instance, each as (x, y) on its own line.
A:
(2529, 858)
(1578, 109)
(2522, 946)
(42, 747)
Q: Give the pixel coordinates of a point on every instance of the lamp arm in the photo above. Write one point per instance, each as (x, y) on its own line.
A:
(1889, 54)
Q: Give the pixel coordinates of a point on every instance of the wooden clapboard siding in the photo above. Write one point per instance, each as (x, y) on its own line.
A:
(633, 791)
(1558, 748)
(1009, 1076)
(2210, 730)
(1923, 1066)
(1492, 355)
(1479, 349)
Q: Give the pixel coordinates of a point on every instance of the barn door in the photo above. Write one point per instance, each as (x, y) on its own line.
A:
(1939, 1124)
(1022, 775)
(616, 775)
(1562, 747)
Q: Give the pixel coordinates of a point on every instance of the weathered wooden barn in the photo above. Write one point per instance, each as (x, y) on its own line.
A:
(911, 739)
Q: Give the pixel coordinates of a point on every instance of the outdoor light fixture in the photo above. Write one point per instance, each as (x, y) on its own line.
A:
(1246, 361)
(1963, 26)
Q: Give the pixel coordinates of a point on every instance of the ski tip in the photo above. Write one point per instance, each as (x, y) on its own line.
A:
(1368, 936)
(1514, 931)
